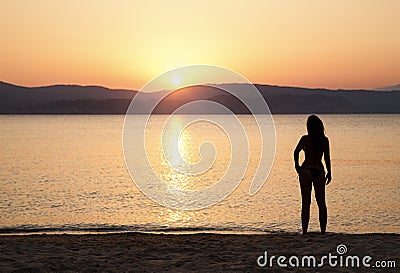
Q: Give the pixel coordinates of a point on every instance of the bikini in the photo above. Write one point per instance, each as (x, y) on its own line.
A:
(315, 173)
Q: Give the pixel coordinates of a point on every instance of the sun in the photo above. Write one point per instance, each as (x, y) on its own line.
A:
(176, 79)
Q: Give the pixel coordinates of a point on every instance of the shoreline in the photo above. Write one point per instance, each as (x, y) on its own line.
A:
(180, 232)
(204, 252)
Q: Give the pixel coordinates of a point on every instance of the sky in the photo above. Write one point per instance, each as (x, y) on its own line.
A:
(124, 44)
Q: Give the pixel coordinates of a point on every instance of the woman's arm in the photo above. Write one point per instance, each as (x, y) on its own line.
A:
(327, 158)
(299, 147)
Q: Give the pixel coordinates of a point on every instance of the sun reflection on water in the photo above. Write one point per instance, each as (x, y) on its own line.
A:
(185, 152)
(184, 146)
(175, 216)
(177, 156)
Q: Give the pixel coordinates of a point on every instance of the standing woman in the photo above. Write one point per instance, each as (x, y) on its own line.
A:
(311, 172)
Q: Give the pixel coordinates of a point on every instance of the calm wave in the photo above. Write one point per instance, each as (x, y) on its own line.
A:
(67, 174)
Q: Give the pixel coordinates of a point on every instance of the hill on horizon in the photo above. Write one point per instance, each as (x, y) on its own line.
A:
(76, 99)
(389, 88)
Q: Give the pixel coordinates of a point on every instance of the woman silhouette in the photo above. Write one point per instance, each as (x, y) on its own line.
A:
(311, 172)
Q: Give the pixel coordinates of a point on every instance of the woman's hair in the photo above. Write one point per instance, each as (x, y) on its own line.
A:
(316, 131)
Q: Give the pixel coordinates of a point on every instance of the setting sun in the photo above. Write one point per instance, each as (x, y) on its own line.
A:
(176, 80)
(124, 44)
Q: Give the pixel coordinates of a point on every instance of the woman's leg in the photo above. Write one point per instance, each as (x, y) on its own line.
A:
(305, 179)
(319, 188)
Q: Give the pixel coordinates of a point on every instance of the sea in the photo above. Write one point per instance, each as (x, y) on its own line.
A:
(67, 174)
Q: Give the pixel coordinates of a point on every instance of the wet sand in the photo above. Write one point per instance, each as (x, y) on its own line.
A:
(137, 252)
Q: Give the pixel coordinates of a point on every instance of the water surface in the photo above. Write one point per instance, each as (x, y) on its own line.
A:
(67, 172)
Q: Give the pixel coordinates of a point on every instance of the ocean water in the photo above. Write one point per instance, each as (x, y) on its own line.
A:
(66, 173)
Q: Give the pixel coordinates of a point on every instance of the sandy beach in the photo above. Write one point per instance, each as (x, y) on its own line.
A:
(137, 252)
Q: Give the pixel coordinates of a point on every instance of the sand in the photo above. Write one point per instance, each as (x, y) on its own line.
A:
(139, 252)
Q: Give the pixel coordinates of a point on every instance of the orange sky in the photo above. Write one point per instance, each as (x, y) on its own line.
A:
(124, 44)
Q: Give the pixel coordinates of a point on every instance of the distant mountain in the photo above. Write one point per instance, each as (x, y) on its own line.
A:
(74, 99)
(389, 88)
(18, 99)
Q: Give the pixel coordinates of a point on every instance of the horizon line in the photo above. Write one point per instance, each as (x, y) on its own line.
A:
(132, 89)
